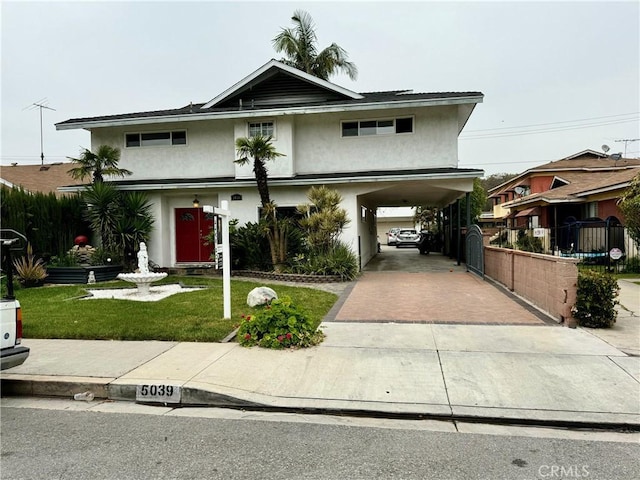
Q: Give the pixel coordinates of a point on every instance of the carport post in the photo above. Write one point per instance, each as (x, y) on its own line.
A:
(458, 233)
(468, 204)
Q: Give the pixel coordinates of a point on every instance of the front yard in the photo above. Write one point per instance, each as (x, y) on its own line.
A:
(58, 311)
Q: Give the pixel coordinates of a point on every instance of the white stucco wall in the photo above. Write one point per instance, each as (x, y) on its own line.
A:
(282, 141)
(209, 151)
(321, 148)
(310, 143)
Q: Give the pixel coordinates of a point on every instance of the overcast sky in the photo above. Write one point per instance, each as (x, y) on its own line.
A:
(558, 77)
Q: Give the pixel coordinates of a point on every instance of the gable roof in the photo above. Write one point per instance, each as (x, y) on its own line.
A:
(38, 178)
(278, 89)
(588, 161)
(583, 184)
(274, 68)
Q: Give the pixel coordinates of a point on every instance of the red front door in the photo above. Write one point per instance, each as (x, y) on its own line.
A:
(192, 227)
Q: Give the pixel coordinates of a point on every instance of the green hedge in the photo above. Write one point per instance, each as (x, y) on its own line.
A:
(596, 299)
(50, 223)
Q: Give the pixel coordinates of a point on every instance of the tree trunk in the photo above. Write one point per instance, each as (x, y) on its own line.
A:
(260, 172)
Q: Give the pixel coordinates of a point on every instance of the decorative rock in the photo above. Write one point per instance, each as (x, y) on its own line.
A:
(260, 296)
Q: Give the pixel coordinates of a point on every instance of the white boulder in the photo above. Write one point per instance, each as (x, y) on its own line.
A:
(260, 296)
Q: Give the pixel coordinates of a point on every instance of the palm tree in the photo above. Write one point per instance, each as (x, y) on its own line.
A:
(299, 47)
(97, 165)
(260, 149)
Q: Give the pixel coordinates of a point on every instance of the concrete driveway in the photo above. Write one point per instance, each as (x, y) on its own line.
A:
(400, 285)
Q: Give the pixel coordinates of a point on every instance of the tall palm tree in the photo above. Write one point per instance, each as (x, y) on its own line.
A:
(260, 149)
(97, 165)
(299, 47)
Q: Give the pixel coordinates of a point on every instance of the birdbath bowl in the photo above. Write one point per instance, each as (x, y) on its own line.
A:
(142, 280)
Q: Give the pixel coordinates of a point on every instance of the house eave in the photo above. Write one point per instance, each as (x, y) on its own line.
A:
(302, 110)
(299, 181)
(610, 188)
(541, 200)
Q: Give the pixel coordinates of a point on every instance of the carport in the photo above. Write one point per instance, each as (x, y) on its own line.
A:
(441, 188)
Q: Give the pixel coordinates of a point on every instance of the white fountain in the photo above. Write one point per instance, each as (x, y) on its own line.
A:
(143, 278)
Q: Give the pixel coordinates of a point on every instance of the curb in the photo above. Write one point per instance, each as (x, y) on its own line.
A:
(103, 389)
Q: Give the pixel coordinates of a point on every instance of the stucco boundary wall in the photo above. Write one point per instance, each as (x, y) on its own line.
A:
(548, 282)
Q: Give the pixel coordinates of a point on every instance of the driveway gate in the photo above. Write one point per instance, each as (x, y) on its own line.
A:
(474, 250)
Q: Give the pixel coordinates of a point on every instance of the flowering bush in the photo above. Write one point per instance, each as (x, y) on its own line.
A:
(279, 324)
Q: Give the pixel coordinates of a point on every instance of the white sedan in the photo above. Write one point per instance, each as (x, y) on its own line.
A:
(407, 238)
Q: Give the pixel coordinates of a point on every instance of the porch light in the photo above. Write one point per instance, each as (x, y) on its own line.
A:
(196, 202)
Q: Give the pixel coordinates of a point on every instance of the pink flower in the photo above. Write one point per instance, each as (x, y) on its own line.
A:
(288, 335)
(280, 338)
(247, 336)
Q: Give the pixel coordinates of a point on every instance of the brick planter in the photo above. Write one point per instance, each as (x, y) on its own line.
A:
(288, 277)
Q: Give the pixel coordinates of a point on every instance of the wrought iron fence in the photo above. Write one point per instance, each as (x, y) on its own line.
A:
(600, 245)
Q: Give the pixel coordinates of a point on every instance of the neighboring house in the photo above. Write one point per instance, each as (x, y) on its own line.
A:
(388, 218)
(45, 178)
(581, 190)
(377, 149)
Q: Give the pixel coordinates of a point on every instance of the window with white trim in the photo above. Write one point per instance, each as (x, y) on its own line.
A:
(389, 126)
(261, 128)
(151, 139)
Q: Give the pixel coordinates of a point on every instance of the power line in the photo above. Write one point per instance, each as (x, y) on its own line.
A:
(554, 123)
(626, 141)
(545, 130)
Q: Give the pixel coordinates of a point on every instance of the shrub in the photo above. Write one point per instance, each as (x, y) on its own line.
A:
(100, 256)
(528, 243)
(31, 270)
(279, 324)
(632, 265)
(596, 299)
(67, 259)
(249, 247)
(338, 260)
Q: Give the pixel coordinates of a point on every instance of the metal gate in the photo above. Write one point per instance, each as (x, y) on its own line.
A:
(474, 250)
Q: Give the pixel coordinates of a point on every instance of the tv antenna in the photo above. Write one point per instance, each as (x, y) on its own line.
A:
(626, 141)
(40, 104)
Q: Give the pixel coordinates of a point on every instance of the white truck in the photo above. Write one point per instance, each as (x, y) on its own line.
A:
(12, 353)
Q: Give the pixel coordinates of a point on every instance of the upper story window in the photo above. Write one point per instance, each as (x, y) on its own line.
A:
(151, 139)
(390, 126)
(261, 128)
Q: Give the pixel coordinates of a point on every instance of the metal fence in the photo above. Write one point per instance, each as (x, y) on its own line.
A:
(602, 245)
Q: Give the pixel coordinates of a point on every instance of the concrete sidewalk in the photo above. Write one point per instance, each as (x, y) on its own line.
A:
(543, 375)
(534, 372)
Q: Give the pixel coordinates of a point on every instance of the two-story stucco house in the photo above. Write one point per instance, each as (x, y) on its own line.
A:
(393, 148)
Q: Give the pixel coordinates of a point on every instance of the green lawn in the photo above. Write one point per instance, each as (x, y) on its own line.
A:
(58, 312)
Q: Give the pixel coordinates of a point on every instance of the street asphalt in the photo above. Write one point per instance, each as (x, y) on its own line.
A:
(520, 373)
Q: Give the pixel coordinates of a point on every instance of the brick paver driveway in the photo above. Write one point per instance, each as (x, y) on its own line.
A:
(400, 285)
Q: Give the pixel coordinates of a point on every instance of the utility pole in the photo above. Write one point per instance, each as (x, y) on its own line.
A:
(40, 104)
(626, 141)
